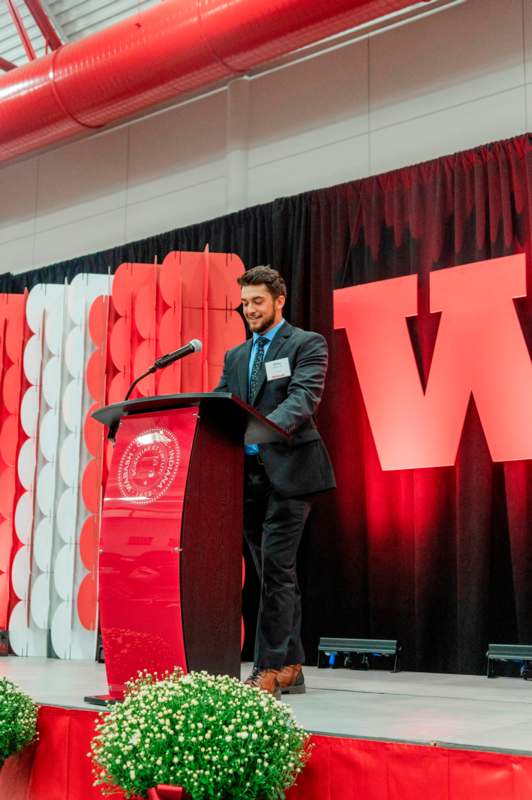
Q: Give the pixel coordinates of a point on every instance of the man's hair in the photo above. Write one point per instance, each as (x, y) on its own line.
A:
(266, 275)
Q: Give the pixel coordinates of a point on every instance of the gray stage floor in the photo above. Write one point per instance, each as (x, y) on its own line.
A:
(448, 710)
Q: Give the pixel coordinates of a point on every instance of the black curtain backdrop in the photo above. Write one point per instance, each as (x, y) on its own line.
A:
(453, 570)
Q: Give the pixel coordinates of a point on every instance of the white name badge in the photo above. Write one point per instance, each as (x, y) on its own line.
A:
(278, 369)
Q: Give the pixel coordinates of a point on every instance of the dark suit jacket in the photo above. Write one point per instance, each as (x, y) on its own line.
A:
(301, 465)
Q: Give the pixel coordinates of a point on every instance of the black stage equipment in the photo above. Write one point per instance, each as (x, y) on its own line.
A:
(337, 649)
(517, 653)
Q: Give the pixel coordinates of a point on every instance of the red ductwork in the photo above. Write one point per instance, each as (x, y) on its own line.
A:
(175, 47)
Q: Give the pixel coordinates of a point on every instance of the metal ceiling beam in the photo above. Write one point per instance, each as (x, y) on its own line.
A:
(21, 30)
(43, 23)
(52, 16)
(6, 65)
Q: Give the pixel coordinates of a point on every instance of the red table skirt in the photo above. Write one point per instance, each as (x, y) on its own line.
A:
(57, 768)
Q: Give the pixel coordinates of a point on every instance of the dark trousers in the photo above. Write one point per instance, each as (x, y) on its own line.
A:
(273, 527)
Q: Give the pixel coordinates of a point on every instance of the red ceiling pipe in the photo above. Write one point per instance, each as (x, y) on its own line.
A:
(154, 56)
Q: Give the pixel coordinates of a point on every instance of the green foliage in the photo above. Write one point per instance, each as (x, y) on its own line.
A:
(212, 735)
(18, 719)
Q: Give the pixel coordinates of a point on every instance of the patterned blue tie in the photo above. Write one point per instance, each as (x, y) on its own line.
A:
(262, 341)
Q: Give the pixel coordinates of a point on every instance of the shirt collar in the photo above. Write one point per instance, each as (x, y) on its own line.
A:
(269, 336)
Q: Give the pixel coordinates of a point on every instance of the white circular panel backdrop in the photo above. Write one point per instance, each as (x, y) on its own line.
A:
(24, 517)
(42, 544)
(74, 352)
(48, 434)
(29, 411)
(62, 630)
(40, 601)
(83, 643)
(32, 359)
(26, 463)
(66, 515)
(35, 306)
(69, 460)
(52, 413)
(67, 641)
(51, 381)
(72, 405)
(46, 489)
(53, 326)
(24, 640)
(82, 292)
(64, 571)
(20, 572)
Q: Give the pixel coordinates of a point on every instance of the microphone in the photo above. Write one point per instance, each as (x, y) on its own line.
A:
(194, 346)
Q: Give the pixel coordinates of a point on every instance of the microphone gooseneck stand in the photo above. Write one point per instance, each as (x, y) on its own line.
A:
(164, 361)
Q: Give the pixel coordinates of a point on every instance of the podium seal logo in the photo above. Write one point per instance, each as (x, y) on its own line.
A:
(148, 466)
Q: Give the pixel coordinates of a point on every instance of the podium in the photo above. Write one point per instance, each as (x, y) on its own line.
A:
(170, 561)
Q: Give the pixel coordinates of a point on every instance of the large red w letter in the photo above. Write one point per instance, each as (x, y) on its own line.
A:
(480, 350)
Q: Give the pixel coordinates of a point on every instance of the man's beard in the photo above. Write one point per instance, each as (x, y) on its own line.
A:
(265, 324)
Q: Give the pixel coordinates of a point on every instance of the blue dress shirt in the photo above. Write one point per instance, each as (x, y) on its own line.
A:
(253, 449)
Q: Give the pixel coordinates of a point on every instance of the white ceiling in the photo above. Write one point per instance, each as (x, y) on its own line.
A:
(72, 19)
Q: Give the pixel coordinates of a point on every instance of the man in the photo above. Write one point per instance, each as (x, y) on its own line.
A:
(281, 372)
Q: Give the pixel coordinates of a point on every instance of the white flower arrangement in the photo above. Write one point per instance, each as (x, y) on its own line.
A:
(18, 719)
(211, 735)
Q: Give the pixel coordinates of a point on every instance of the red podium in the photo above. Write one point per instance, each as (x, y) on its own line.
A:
(170, 566)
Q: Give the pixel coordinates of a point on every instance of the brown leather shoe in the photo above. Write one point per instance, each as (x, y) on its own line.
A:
(291, 679)
(265, 679)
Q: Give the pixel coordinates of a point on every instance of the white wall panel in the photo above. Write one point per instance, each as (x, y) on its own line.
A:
(469, 51)
(176, 209)
(309, 105)
(81, 180)
(88, 235)
(180, 148)
(527, 21)
(528, 106)
(496, 117)
(16, 255)
(18, 186)
(338, 162)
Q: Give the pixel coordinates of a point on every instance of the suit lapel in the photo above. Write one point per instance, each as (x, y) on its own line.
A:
(284, 332)
(242, 371)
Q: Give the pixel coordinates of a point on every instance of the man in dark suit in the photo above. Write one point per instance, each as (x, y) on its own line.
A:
(281, 372)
